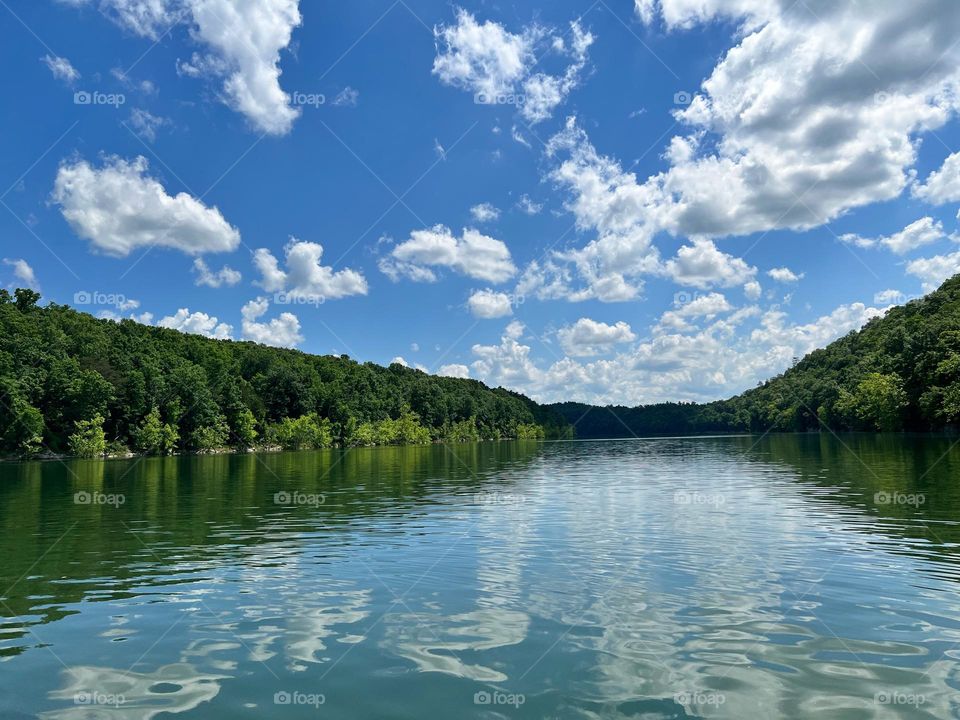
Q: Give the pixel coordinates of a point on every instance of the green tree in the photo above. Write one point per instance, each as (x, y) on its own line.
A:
(89, 440)
(877, 402)
(155, 437)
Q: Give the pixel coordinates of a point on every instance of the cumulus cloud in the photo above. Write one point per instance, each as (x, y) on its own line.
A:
(497, 65)
(23, 273)
(119, 207)
(924, 231)
(485, 212)
(703, 265)
(454, 370)
(197, 323)
(242, 43)
(719, 360)
(784, 275)
(61, 68)
(588, 337)
(472, 254)
(489, 304)
(205, 276)
(281, 331)
(685, 309)
(932, 271)
(809, 115)
(943, 185)
(752, 290)
(306, 277)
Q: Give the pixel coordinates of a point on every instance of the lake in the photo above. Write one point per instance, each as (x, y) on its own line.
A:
(729, 577)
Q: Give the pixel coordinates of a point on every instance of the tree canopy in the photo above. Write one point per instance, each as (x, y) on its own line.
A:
(76, 384)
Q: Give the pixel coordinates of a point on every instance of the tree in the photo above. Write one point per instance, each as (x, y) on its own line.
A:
(155, 437)
(877, 402)
(89, 440)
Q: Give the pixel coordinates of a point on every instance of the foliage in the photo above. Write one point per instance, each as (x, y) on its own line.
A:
(306, 432)
(155, 437)
(89, 440)
(161, 391)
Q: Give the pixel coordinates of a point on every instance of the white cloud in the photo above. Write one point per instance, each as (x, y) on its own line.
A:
(282, 331)
(497, 65)
(932, 271)
(146, 124)
(703, 265)
(943, 185)
(485, 212)
(473, 254)
(889, 297)
(489, 304)
(924, 231)
(23, 272)
(348, 97)
(752, 290)
(197, 323)
(119, 208)
(205, 276)
(784, 275)
(714, 362)
(398, 360)
(809, 115)
(454, 370)
(305, 276)
(529, 206)
(244, 40)
(588, 337)
(61, 68)
(702, 306)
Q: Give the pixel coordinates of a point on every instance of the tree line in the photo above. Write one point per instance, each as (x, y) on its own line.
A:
(74, 384)
(899, 372)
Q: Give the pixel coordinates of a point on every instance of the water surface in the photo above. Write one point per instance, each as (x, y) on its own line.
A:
(734, 577)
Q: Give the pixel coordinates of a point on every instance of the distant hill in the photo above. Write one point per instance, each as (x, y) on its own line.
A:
(899, 372)
(72, 383)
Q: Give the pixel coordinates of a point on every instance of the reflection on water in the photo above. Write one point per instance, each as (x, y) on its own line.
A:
(777, 577)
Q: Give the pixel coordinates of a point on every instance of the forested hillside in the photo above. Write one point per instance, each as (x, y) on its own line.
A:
(900, 372)
(74, 384)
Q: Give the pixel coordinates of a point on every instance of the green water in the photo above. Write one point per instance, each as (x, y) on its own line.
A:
(736, 577)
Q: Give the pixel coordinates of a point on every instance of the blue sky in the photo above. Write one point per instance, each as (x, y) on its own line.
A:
(618, 201)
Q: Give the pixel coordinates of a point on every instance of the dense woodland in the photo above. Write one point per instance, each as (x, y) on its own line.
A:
(70, 383)
(900, 372)
(74, 384)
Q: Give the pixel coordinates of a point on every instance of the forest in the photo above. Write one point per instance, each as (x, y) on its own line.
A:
(76, 385)
(900, 372)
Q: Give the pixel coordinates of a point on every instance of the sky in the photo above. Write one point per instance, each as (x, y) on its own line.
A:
(618, 201)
